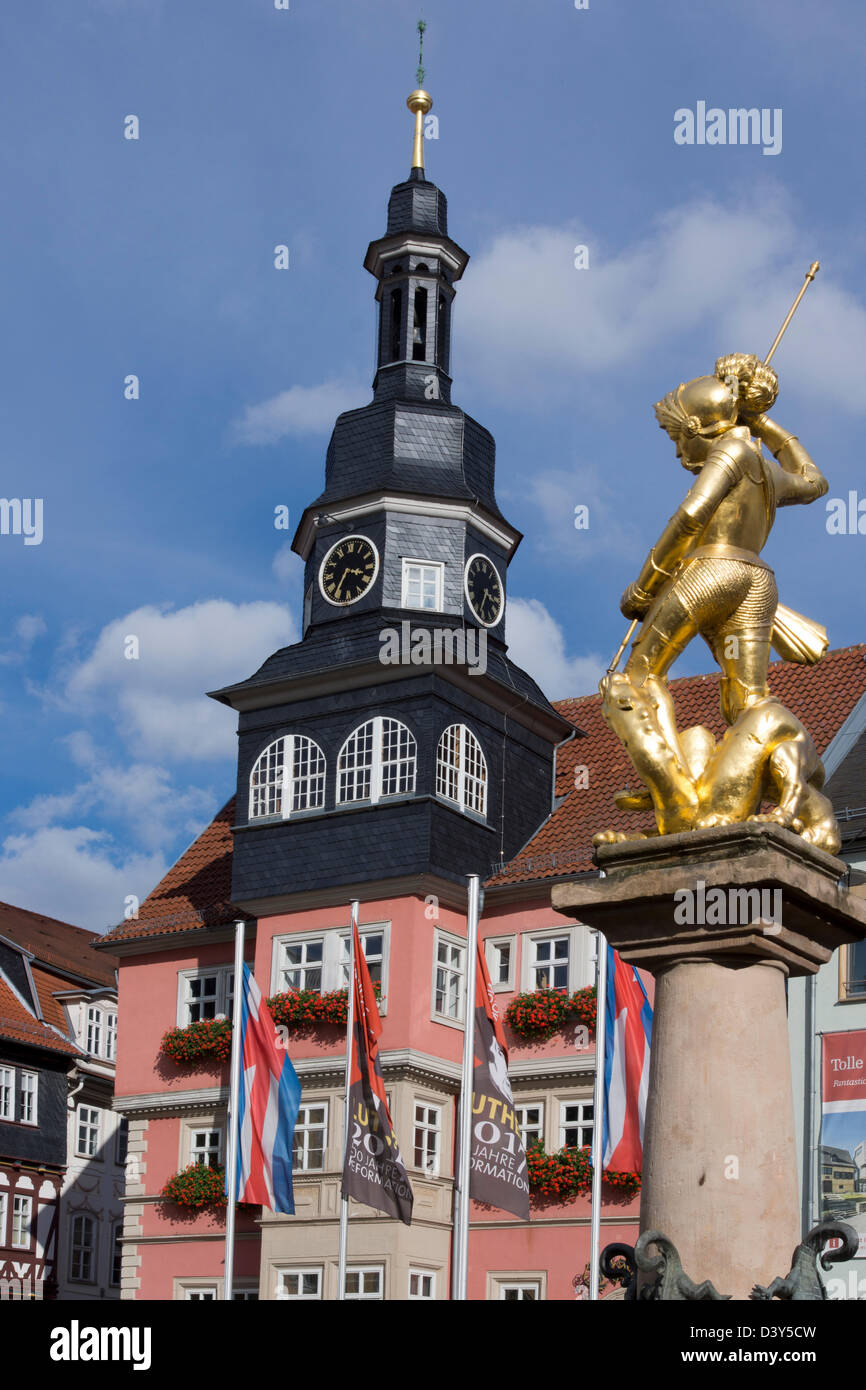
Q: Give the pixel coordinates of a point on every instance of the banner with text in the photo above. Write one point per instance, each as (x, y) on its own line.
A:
(498, 1173)
(843, 1131)
(373, 1172)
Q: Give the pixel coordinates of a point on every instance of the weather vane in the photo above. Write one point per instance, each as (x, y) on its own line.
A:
(419, 76)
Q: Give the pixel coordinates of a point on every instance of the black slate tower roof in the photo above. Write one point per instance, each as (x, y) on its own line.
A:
(409, 478)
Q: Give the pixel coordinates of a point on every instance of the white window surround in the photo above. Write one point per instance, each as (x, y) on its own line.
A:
(21, 1235)
(422, 1283)
(580, 956)
(365, 1282)
(29, 1098)
(333, 942)
(288, 778)
(4, 1206)
(443, 979)
(8, 1094)
(530, 1121)
(495, 948)
(208, 1003)
(461, 771)
(87, 1131)
(83, 1249)
(519, 1282)
(525, 1289)
(427, 1137)
(310, 1142)
(299, 1282)
(423, 585)
(578, 1121)
(205, 1145)
(205, 1293)
(378, 761)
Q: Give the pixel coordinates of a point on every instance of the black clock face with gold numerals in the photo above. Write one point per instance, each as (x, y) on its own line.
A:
(348, 570)
(484, 590)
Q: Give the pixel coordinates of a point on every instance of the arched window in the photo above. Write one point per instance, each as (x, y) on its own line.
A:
(461, 770)
(288, 776)
(378, 759)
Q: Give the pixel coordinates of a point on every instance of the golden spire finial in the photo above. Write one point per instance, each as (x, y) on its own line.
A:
(419, 102)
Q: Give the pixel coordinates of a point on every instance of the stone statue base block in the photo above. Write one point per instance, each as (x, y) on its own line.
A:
(719, 1173)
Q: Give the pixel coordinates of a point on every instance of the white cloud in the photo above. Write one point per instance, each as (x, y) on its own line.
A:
(725, 270)
(138, 796)
(556, 493)
(158, 700)
(286, 566)
(73, 874)
(536, 642)
(27, 628)
(299, 410)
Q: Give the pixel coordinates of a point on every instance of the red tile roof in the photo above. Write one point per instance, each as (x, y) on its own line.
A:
(822, 696)
(46, 986)
(61, 947)
(18, 1024)
(195, 893)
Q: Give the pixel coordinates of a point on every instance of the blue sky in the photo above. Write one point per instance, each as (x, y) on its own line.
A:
(261, 127)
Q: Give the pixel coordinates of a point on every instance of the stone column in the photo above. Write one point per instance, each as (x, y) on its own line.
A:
(720, 1171)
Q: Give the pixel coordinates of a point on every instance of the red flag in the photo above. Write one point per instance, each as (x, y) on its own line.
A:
(497, 1171)
(374, 1172)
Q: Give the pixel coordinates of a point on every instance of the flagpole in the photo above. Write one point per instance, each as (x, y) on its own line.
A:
(597, 1112)
(462, 1222)
(231, 1117)
(350, 1021)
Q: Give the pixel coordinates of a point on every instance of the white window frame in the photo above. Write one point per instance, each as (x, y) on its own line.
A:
(4, 1206)
(378, 763)
(222, 998)
(581, 1123)
(121, 1141)
(29, 1093)
(333, 961)
(312, 784)
(306, 1128)
(202, 1293)
(524, 1125)
(93, 1128)
(91, 1247)
(95, 1024)
(22, 1219)
(457, 771)
(459, 942)
(522, 1285)
(116, 1254)
(438, 569)
(361, 1296)
(493, 944)
(432, 1154)
(298, 1272)
(111, 1035)
(580, 956)
(422, 1274)
(207, 1150)
(8, 1094)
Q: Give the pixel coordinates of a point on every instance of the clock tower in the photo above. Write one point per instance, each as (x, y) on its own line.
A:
(396, 745)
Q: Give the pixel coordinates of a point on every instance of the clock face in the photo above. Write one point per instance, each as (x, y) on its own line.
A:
(348, 570)
(483, 590)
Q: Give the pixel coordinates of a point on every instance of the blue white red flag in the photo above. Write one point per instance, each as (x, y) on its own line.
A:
(629, 1020)
(270, 1093)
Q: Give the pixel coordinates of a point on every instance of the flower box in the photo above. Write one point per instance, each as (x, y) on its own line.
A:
(541, 1013)
(196, 1187)
(208, 1040)
(568, 1174)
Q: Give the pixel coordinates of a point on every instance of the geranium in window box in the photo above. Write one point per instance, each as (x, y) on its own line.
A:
(298, 1008)
(568, 1174)
(196, 1187)
(542, 1012)
(208, 1040)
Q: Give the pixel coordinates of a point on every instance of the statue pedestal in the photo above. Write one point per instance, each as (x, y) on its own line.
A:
(720, 917)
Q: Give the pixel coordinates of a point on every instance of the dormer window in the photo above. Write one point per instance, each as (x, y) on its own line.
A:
(423, 582)
(461, 770)
(289, 776)
(378, 759)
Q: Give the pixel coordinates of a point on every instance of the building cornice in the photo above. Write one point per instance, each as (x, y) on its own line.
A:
(495, 529)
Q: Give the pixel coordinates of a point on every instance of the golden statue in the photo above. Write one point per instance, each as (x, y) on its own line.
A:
(705, 576)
